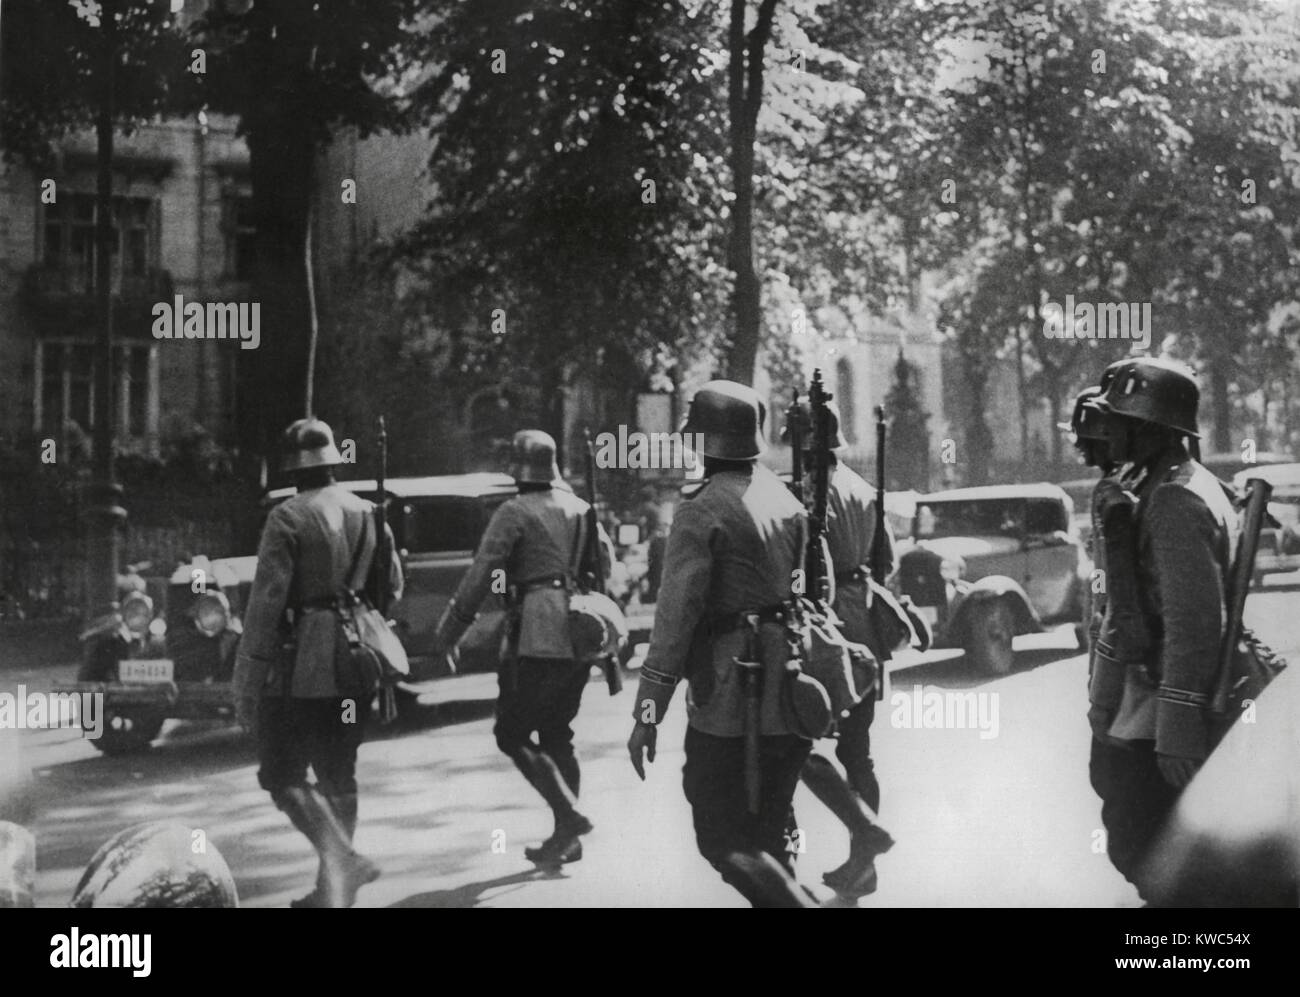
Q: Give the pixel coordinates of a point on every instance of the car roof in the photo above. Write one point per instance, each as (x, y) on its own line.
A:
(474, 485)
(1039, 490)
(1277, 475)
(222, 571)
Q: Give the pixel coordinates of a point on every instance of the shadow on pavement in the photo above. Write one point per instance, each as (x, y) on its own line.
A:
(470, 894)
(954, 669)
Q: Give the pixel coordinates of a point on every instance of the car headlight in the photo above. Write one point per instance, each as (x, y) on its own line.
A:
(950, 569)
(137, 611)
(211, 613)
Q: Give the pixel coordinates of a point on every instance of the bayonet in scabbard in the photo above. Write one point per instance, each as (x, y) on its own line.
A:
(751, 684)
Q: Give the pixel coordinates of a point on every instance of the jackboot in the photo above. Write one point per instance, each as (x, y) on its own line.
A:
(569, 770)
(541, 771)
(867, 839)
(345, 872)
(345, 808)
(763, 881)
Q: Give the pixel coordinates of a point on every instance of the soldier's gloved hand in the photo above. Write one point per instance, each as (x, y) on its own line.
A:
(1099, 719)
(1178, 772)
(246, 714)
(642, 742)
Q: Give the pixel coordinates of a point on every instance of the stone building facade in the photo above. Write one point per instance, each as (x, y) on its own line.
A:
(181, 201)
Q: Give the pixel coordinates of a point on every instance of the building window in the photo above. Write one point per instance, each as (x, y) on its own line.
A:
(65, 398)
(239, 232)
(845, 392)
(69, 238)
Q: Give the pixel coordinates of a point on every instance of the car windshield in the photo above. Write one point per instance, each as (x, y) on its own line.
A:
(437, 524)
(993, 517)
(444, 524)
(976, 518)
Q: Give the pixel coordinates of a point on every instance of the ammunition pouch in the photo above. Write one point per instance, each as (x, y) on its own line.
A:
(822, 675)
(846, 670)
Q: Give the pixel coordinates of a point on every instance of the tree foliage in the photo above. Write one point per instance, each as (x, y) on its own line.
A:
(51, 70)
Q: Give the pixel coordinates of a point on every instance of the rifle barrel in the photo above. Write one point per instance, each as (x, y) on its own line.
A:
(1243, 568)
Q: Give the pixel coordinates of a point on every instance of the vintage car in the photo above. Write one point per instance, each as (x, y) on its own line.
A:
(984, 565)
(1279, 547)
(176, 663)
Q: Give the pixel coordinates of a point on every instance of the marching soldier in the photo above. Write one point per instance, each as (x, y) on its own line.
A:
(1151, 725)
(728, 569)
(285, 687)
(850, 532)
(537, 543)
(1116, 630)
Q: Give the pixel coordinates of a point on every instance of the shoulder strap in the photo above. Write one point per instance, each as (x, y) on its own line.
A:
(357, 578)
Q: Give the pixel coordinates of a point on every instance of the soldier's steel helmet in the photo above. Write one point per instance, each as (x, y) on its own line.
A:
(308, 443)
(532, 457)
(1087, 422)
(730, 417)
(1155, 390)
(838, 442)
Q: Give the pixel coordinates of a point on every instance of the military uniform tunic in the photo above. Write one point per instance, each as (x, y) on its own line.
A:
(734, 546)
(307, 548)
(306, 554)
(850, 532)
(1156, 686)
(531, 542)
(530, 539)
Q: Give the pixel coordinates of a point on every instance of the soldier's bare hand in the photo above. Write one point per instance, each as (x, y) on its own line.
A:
(1178, 772)
(642, 742)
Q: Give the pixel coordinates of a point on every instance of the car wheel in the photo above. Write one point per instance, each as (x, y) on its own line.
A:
(989, 631)
(127, 732)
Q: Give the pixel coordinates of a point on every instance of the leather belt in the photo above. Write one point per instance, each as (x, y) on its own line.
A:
(726, 622)
(544, 582)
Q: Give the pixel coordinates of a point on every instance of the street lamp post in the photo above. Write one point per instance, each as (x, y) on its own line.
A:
(105, 516)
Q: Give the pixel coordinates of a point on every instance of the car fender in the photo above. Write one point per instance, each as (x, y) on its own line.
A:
(1026, 621)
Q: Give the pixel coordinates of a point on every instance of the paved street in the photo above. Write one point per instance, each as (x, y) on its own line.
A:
(1005, 820)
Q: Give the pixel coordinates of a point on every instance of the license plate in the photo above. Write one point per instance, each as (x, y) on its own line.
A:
(145, 670)
(928, 613)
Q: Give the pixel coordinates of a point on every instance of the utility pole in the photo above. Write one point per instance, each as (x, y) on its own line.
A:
(105, 516)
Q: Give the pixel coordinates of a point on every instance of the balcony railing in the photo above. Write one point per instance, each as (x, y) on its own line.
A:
(60, 301)
(52, 283)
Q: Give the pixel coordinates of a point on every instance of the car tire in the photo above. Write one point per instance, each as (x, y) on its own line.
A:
(127, 732)
(989, 630)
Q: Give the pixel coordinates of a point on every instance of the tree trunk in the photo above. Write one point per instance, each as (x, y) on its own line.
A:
(1222, 413)
(272, 378)
(744, 98)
